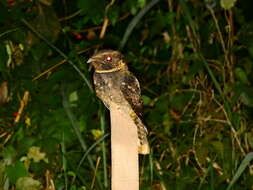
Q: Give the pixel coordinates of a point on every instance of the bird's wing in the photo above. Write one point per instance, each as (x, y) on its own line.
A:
(130, 88)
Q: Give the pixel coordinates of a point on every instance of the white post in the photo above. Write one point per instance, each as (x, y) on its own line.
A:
(124, 151)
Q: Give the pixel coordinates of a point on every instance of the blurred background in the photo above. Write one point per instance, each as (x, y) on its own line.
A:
(193, 59)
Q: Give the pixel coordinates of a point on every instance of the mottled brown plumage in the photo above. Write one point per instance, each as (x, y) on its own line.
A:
(115, 84)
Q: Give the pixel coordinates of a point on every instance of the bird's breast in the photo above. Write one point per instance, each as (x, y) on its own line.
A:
(107, 86)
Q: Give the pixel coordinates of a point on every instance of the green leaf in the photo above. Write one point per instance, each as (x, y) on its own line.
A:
(28, 183)
(243, 93)
(16, 171)
(141, 3)
(247, 98)
(8, 154)
(241, 75)
(36, 155)
(113, 15)
(179, 101)
(146, 100)
(96, 133)
(73, 97)
(94, 9)
(227, 4)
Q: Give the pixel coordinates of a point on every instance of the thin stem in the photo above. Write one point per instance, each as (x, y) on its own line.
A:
(218, 29)
(76, 128)
(103, 146)
(210, 72)
(227, 61)
(135, 21)
(8, 31)
(64, 161)
(70, 16)
(87, 153)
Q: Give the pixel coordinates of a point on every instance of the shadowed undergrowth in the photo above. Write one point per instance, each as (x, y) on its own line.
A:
(194, 63)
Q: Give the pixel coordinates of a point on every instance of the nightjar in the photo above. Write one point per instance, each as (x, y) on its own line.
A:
(114, 83)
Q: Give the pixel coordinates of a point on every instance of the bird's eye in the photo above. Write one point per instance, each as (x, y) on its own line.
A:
(108, 58)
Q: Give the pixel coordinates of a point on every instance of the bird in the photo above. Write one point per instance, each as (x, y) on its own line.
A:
(114, 83)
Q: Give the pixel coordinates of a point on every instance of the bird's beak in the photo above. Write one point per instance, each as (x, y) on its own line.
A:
(90, 60)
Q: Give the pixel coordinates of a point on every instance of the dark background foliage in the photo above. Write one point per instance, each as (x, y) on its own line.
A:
(194, 62)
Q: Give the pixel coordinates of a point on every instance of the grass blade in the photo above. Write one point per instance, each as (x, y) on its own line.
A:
(241, 169)
(76, 128)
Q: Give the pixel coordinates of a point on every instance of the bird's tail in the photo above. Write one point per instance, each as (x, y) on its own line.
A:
(143, 146)
(144, 149)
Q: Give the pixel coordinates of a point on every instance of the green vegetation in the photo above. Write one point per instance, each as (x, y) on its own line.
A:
(194, 61)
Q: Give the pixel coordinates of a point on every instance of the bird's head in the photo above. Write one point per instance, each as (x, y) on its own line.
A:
(106, 61)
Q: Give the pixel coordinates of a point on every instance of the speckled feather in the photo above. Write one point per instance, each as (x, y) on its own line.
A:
(121, 87)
